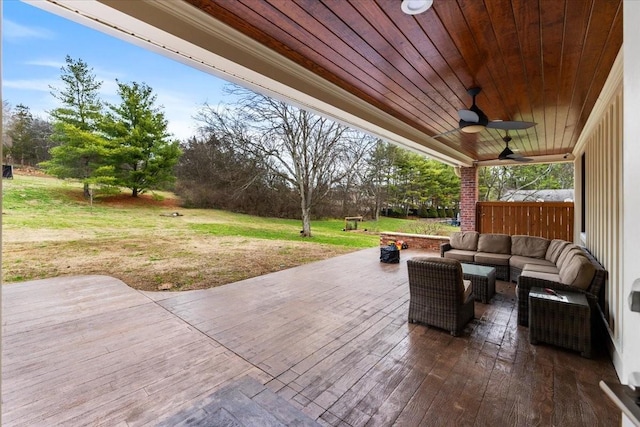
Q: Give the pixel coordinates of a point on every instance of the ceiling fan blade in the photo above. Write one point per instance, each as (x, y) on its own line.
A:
(510, 125)
(446, 133)
(517, 157)
(469, 116)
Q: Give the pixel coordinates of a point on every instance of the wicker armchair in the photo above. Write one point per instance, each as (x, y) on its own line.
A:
(438, 294)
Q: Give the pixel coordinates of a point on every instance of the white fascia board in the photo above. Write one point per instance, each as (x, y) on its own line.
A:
(180, 31)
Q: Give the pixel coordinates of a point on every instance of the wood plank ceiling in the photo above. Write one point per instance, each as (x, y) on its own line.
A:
(543, 61)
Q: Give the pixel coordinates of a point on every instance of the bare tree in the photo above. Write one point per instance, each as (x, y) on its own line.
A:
(310, 152)
(27, 139)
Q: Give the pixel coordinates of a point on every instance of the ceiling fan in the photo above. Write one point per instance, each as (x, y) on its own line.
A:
(508, 154)
(474, 120)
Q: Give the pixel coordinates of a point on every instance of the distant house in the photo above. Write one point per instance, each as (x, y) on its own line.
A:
(565, 195)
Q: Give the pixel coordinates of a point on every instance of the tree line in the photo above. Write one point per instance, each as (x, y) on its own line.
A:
(256, 155)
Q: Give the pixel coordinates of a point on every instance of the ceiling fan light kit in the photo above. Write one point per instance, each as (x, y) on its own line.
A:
(474, 120)
(508, 154)
(414, 7)
(471, 128)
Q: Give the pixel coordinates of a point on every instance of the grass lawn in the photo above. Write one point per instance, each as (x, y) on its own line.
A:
(50, 230)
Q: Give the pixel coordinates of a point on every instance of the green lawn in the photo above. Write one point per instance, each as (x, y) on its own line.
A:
(46, 203)
(49, 229)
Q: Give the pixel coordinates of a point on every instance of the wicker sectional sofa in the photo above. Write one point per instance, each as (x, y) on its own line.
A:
(531, 261)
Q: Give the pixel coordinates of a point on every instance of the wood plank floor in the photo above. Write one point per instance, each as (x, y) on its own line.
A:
(330, 339)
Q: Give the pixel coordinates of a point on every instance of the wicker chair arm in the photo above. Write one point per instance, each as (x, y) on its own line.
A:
(525, 283)
(444, 247)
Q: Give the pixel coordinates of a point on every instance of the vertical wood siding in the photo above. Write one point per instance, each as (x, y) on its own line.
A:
(603, 201)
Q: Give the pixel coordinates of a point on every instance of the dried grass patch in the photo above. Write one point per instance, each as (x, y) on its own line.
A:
(145, 262)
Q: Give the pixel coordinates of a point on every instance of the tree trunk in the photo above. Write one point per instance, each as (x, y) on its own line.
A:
(378, 206)
(85, 190)
(306, 222)
(134, 192)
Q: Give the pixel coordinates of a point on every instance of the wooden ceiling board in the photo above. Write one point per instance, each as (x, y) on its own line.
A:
(355, 66)
(526, 17)
(441, 64)
(595, 63)
(231, 12)
(552, 35)
(393, 66)
(543, 61)
(572, 47)
(504, 60)
(405, 58)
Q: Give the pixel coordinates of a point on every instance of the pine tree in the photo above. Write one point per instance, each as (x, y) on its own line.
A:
(144, 154)
(83, 154)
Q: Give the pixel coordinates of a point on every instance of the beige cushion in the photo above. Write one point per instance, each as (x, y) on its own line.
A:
(540, 275)
(575, 252)
(520, 261)
(494, 243)
(565, 253)
(555, 249)
(468, 290)
(460, 255)
(577, 272)
(465, 240)
(493, 259)
(541, 268)
(529, 246)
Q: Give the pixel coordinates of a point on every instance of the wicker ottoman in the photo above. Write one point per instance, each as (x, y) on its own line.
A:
(483, 280)
(563, 320)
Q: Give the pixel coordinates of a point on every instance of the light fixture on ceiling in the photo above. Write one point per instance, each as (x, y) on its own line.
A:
(473, 129)
(414, 7)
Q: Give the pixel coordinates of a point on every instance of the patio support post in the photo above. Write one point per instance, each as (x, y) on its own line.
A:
(468, 198)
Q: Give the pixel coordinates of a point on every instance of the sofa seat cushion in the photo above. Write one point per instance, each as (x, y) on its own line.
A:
(464, 240)
(520, 261)
(460, 255)
(540, 275)
(529, 246)
(577, 271)
(541, 268)
(495, 243)
(492, 259)
(555, 249)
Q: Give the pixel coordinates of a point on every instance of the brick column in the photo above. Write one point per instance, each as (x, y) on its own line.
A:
(468, 198)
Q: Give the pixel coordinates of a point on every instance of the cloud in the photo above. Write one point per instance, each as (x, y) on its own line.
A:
(13, 31)
(179, 109)
(46, 63)
(109, 89)
(100, 73)
(41, 85)
(182, 129)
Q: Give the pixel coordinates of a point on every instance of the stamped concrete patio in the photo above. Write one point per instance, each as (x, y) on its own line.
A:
(327, 343)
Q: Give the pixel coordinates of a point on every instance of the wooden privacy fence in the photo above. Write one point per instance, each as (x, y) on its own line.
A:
(552, 220)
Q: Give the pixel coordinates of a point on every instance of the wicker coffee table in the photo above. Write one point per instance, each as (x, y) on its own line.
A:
(563, 320)
(483, 280)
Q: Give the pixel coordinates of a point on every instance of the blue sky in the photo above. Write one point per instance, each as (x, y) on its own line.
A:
(34, 46)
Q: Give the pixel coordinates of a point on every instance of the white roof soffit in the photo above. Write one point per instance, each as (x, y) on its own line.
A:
(182, 32)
